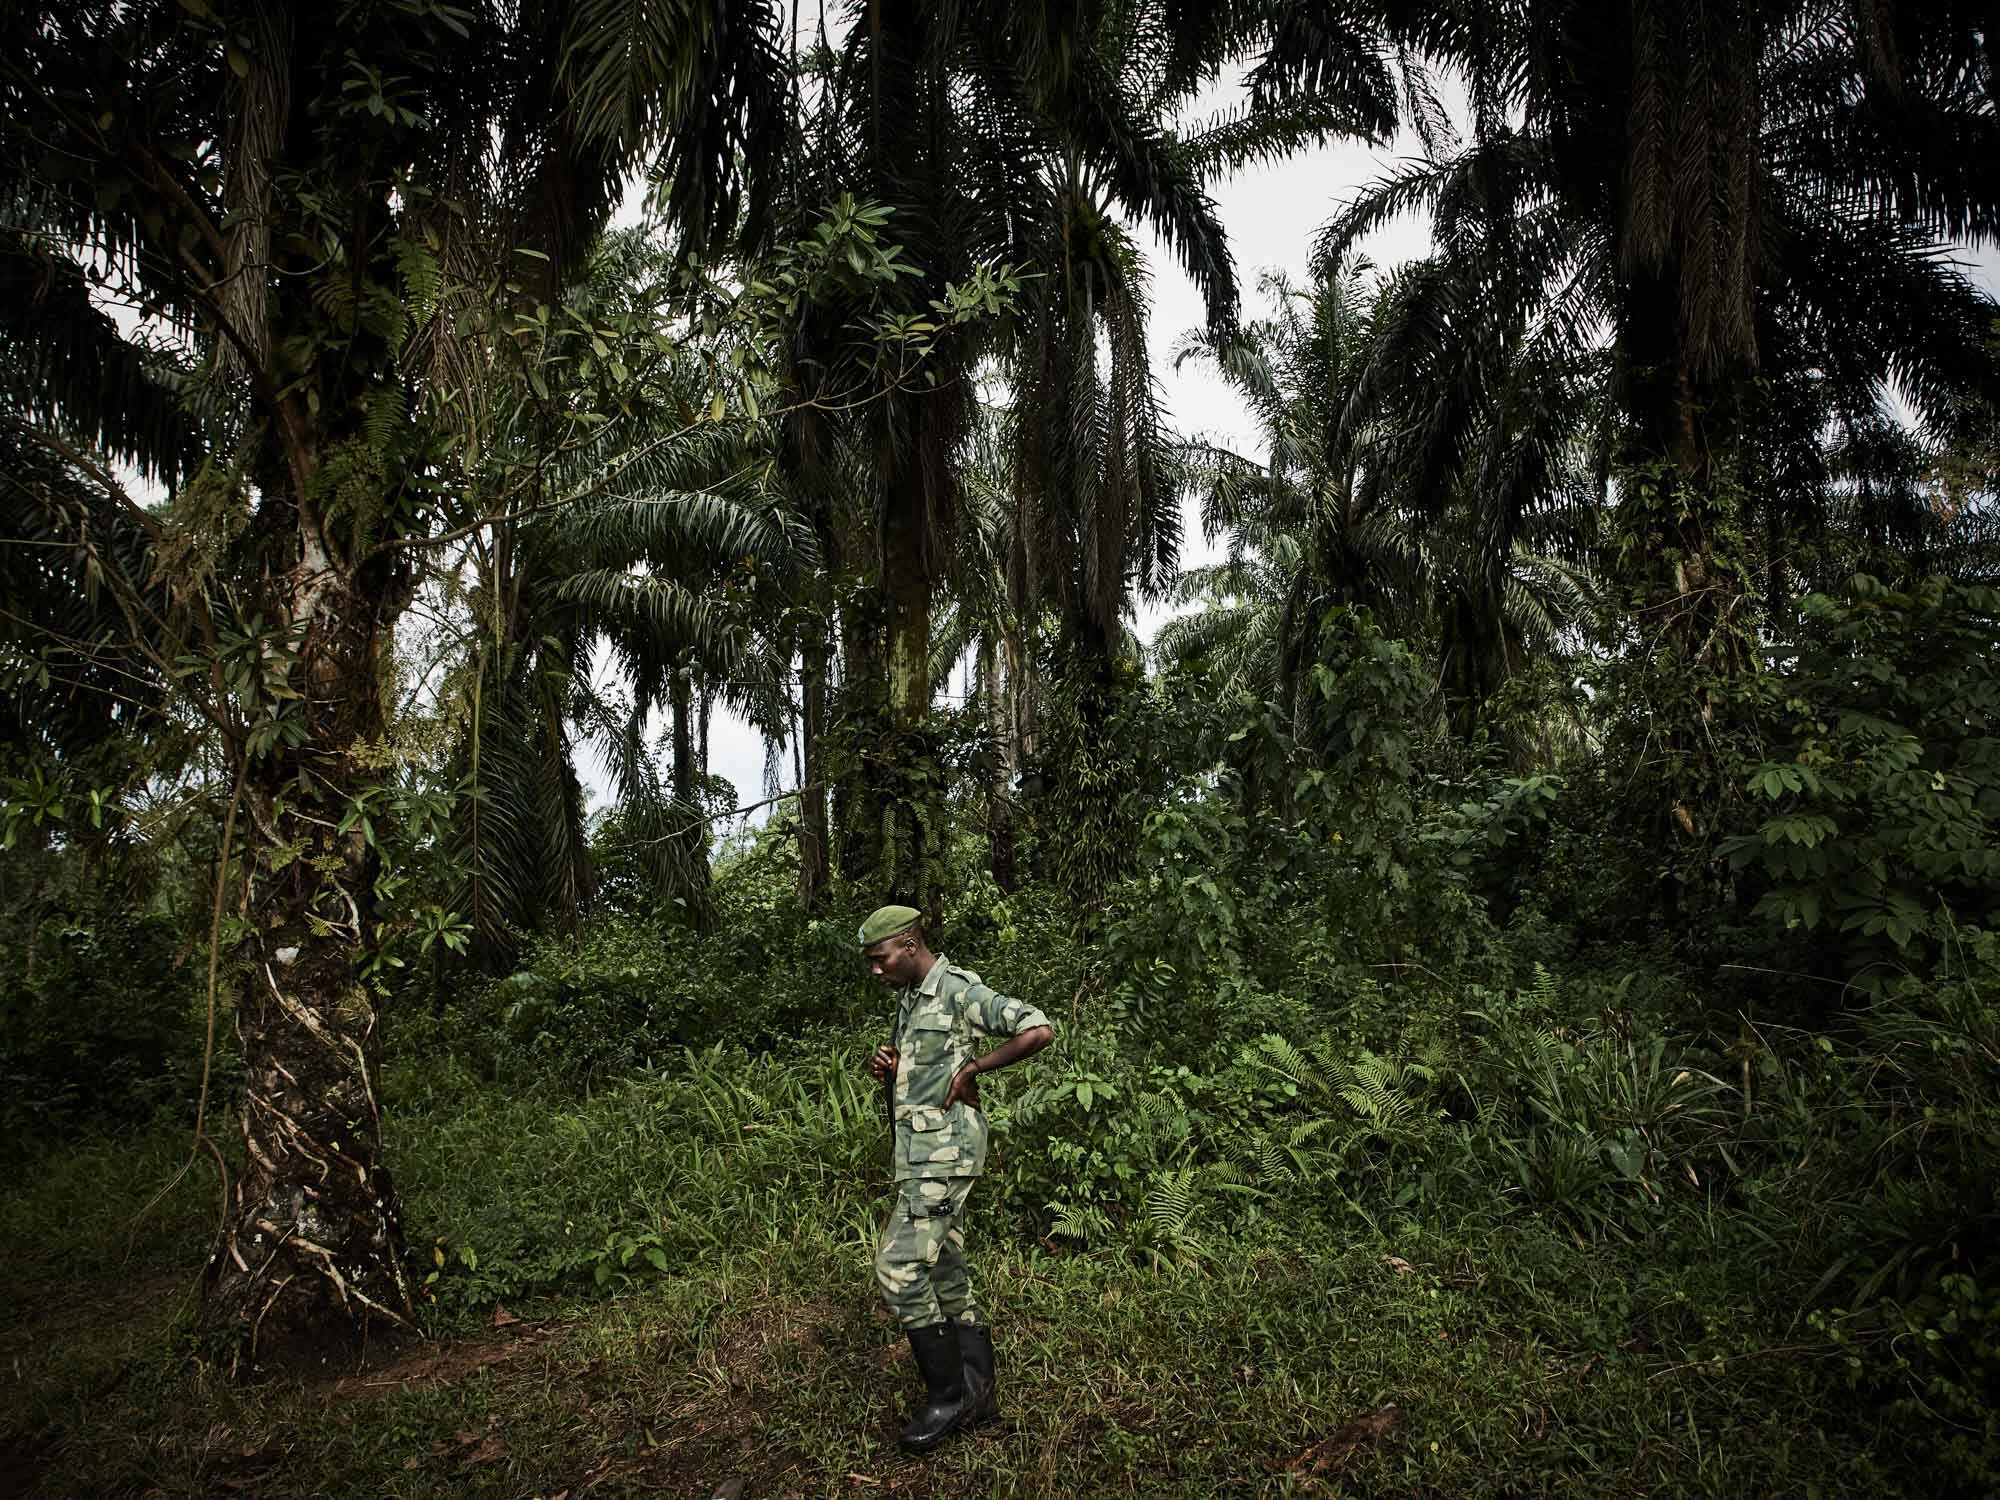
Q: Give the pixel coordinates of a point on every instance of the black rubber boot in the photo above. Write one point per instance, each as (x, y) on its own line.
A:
(937, 1352)
(975, 1347)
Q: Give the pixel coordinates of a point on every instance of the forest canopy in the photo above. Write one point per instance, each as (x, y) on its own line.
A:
(1522, 936)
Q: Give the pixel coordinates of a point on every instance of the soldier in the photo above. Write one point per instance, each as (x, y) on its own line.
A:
(940, 1150)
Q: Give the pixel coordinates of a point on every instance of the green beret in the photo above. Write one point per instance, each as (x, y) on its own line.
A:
(887, 921)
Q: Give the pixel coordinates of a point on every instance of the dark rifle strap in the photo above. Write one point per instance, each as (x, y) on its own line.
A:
(889, 1109)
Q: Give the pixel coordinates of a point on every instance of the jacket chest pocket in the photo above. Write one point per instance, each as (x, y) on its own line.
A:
(930, 1041)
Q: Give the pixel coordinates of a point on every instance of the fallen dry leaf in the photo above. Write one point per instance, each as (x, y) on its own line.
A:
(489, 1449)
(1364, 1431)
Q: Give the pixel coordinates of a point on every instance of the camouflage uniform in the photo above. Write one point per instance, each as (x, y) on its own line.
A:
(940, 1152)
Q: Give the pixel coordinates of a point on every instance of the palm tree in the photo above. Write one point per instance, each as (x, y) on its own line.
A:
(950, 116)
(1233, 616)
(1729, 193)
(979, 620)
(1741, 204)
(1093, 460)
(635, 571)
(1468, 536)
(1004, 135)
(1489, 442)
(657, 553)
(319, 209)
(1308, 528)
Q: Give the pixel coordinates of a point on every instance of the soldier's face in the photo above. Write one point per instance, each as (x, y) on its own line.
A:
(892, 960)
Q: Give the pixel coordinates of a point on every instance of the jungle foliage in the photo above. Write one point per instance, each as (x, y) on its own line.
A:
(1540, 886)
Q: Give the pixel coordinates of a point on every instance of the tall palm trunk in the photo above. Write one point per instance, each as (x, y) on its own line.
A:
(1021, 704)
(892, 816)
(691, 843)
(312, 1244)
(1684, 556)
(907, 583)
(813, 845)
(858, 710)
(997, 702)
(681, 698)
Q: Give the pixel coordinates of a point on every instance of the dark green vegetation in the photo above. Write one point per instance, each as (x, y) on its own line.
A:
(1523, 944)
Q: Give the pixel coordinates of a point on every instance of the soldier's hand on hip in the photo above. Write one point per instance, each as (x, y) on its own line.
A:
(883, 1063)
(964, 1087)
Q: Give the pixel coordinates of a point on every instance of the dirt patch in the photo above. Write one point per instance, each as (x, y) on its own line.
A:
(444, 1364)
(762, 1335)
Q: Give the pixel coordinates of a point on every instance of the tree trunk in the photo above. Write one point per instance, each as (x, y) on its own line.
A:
(1682, 557)
(1000, 785)
(1682, 549)
(907, 791)
(909, 643)
(813, 868)
(857, 716)
(681, 692)
(690, 845)
(1021, 704)
(312, 1249)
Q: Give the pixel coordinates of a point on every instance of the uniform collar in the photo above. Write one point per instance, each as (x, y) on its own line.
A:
(935, 977)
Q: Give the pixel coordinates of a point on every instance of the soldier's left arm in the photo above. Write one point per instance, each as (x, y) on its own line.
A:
(992, 1014)
(995, 1014)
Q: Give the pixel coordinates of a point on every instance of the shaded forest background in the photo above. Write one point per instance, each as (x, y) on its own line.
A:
(1520, 936)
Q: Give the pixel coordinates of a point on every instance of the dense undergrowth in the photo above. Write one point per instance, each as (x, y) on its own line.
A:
(1412, 1126)
(1575, 1247)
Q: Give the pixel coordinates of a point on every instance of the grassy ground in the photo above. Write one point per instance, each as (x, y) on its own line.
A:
(1521, 1366)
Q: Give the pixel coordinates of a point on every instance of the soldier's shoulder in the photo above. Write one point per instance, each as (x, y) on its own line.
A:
(962, 977)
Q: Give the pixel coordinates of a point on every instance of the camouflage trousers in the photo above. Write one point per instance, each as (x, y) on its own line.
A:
(920, 1259)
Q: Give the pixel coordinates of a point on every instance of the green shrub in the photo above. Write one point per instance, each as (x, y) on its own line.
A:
(719, 1149)
(1883, 792)
(105, 1030)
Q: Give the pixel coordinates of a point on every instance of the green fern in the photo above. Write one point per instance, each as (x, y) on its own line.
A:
(1542, 993)
(1382, 1092)
(1273, 1164)
(1171, 1203)
(1085, 1223)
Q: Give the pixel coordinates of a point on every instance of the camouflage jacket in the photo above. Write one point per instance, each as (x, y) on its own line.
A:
(937, 1024)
